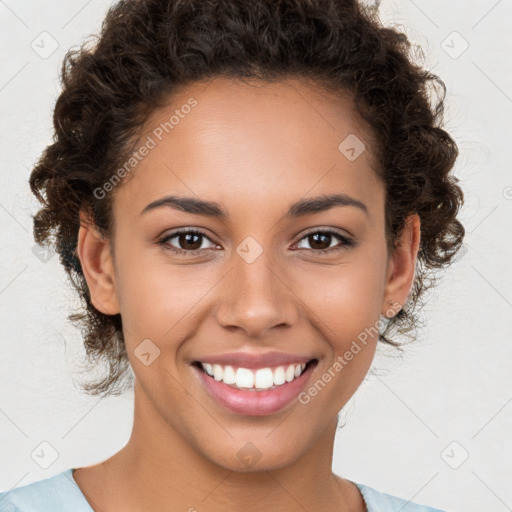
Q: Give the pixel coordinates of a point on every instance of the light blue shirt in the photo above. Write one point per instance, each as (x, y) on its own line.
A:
(60, 493)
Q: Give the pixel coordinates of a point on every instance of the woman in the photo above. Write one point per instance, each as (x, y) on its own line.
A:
(248, 197)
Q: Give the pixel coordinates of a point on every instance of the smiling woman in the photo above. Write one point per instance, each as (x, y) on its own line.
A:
(248, 197)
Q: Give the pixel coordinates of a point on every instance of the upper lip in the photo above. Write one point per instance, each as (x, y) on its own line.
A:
(251, 360)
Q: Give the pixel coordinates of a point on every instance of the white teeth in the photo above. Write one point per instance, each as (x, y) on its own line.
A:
(263, 378)
(229, 375)
(244, 378)
(218, 372)
(279, 376)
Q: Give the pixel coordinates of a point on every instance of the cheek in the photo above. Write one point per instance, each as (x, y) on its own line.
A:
(350, 299)
(347, 307)
(157, 299)
(144, 293)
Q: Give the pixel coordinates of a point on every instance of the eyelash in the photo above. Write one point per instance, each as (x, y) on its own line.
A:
(346, 242)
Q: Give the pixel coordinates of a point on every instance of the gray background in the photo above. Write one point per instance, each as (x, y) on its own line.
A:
(433, 427)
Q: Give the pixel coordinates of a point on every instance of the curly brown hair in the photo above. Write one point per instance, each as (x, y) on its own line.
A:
(146, 49)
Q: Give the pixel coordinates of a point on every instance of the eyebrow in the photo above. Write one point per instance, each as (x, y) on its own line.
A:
(213, 209)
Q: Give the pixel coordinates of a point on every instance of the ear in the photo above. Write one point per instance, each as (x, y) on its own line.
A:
(97, 264)
(401, 267)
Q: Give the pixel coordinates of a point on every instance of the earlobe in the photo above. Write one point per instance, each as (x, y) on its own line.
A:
(98, 267)
(402, 266)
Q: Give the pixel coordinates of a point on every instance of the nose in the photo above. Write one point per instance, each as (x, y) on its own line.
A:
(256, 298)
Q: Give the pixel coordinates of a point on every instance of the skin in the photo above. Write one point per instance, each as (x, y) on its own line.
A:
(254, 148)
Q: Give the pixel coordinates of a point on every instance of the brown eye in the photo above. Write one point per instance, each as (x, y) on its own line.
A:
(320, 241)
(190, 241)
(187, 242)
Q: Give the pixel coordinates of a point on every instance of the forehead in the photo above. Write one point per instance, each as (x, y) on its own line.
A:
(252, 142)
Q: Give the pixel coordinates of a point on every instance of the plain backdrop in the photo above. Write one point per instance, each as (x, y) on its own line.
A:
(433, 426)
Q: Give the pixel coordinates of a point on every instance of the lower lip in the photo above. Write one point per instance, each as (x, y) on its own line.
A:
(254, 403)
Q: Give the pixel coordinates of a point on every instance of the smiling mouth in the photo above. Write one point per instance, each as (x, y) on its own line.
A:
(257, 379)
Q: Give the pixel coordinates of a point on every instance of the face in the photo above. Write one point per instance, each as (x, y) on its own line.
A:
(267, 269)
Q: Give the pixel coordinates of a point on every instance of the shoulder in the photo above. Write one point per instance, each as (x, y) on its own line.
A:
(377, 501)
(54, 494)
